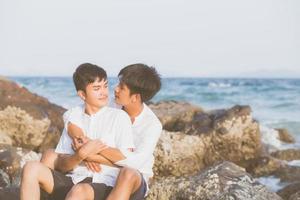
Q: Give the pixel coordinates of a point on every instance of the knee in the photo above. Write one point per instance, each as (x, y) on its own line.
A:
(129, 174)
(30, 169)
(48, 158)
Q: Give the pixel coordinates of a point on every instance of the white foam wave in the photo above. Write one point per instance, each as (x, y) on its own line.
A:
(219, 85)
(295, 163)
(271, 182)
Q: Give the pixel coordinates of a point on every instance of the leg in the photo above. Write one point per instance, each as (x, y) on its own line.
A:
(34, 176)
(49, 157)
(81, 191)
(129, 180)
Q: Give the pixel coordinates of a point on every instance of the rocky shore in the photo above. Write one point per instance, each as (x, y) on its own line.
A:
(214, 154)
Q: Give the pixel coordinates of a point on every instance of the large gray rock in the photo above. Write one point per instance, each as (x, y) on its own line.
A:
(224, 181)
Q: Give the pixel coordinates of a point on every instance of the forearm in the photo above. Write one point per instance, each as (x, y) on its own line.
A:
(66, 162)
(112, 154)
(101, 160)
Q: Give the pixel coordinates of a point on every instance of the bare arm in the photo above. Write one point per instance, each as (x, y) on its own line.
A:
(65, 162)
(100, 159)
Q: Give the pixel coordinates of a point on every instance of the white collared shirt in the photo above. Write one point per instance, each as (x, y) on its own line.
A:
(112, 126)
(146, 130)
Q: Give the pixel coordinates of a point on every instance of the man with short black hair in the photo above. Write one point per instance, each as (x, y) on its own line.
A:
(111, 125)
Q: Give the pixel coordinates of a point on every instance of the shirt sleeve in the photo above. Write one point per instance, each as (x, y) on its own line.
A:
(124, 138)
(73, 115)
(144, 149)
(64, 145)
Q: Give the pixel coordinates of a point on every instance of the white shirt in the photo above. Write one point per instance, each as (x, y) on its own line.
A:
(112, 126)
(146, 131)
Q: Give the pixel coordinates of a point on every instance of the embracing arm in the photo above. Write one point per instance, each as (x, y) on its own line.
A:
(78, 138)
(67, 162)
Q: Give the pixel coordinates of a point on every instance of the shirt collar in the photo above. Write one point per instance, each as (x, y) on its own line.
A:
(98, 113)
(138, 118)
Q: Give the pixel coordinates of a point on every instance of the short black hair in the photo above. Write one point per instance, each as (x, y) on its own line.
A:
(87, 73)
(141, 79)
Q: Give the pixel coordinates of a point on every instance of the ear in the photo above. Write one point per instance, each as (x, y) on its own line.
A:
(136, 98)
(81, 94)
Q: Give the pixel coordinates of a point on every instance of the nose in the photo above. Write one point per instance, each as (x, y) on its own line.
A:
(117, 89)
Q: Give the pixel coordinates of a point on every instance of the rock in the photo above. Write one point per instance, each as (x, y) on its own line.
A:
(287, 154)
(184, 152)
(174, 115)
(11, 193)
(288, 191)
(265, 166)
(177, 154)
(295, 196)
(4, 179)
(219, 182)
(288, 173)
(22, 129)
(285, 136)
(27, 119)
(12, 160)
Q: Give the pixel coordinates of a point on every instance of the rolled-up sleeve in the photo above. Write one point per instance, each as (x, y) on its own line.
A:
(144, 149)
(64, 145)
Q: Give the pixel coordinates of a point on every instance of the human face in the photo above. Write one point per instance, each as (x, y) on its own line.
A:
(96, 93)
(122, 94)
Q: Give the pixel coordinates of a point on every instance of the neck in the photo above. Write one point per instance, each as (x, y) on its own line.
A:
(134, 110)
(89, 109)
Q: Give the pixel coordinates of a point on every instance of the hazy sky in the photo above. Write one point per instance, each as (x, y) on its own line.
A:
(179, 38)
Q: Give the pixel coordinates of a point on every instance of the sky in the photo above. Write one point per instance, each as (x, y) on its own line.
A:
(181, 38)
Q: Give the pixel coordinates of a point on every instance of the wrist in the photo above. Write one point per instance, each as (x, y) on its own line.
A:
(81, 155)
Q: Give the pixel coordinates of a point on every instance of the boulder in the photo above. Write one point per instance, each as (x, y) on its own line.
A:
(26, 119)
(285, 136)
(290, 192)
(223, 181)
(233, 135)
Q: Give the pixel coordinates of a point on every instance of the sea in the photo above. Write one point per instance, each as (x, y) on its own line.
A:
(275, 103)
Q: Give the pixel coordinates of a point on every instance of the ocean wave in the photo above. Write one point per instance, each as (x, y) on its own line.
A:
(219, 85)
(272, 183)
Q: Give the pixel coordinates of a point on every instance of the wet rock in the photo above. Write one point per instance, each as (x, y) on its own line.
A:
(285, 136)
(290, 192)
(288, 173)
(265, 166)
(27, 119)
(219, 182)
(287, 154)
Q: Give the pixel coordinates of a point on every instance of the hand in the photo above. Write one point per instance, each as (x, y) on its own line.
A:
(78, 142)
(92, 166)
(90, 148)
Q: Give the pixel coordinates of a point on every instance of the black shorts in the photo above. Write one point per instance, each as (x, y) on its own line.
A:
(63, 184)
(101, 191)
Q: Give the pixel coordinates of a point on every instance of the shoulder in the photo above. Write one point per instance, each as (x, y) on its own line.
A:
(117, 113)
(77, 110)
(151, 118)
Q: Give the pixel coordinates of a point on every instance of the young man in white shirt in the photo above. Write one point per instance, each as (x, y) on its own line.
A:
(112, 126)
(138, 84)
